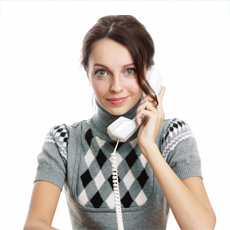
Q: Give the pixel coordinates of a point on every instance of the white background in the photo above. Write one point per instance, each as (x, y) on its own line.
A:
(42, 86)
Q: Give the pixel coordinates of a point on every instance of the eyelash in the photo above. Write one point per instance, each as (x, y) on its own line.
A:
(134, 70)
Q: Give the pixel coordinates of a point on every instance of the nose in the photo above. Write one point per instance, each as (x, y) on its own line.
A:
(116, 83)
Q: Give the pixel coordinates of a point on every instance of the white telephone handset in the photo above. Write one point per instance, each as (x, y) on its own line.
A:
(123, 128)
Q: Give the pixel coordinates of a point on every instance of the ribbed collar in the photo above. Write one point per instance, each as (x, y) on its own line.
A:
(102, 118)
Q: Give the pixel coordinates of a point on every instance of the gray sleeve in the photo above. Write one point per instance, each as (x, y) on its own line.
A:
(53, 157)
(180, 150)
(185, 160)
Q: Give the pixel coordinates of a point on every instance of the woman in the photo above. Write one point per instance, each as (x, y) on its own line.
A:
(158, 166)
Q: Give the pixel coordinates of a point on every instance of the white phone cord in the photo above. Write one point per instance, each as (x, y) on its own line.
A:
(116, 189)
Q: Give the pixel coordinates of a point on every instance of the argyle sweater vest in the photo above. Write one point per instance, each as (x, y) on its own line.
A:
(78, 157)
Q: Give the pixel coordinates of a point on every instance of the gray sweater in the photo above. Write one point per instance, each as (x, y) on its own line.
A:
(78, 158)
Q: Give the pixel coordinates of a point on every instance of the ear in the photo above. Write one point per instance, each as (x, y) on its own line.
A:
(86, 70)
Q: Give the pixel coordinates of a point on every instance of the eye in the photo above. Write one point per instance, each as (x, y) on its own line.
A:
(130, 71)
(100, 72)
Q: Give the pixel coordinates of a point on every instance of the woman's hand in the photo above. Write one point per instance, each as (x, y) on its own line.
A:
(155, 115)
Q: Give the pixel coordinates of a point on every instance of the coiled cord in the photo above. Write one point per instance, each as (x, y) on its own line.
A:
(116, 192)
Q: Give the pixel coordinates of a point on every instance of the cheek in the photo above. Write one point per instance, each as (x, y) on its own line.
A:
(134, 86)
(99, 87)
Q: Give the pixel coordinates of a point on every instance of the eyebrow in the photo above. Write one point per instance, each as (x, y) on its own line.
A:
(97, 64)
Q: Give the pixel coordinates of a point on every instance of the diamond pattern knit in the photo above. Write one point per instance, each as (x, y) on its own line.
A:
(95, 188)
(135, 176)
(59, 135)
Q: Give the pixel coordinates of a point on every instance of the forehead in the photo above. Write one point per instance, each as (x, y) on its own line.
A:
(111, 52)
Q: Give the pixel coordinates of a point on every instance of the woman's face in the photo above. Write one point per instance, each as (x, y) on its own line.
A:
(112, 74)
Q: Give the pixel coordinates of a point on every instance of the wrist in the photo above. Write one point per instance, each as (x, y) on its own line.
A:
(150, 149)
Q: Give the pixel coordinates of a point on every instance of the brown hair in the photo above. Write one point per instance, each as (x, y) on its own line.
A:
(126, 30)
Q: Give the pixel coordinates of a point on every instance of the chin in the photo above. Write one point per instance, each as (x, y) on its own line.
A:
(117, 111)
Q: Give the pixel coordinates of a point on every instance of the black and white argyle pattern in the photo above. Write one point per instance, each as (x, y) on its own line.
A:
(176, 132)
(59, 135)
(135, 176)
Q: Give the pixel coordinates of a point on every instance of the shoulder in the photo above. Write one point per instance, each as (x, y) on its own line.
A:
(59, 135)
(175, 128)
(175, 131)
(76, 124)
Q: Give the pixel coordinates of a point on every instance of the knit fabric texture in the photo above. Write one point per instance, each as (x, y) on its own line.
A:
(78, 157)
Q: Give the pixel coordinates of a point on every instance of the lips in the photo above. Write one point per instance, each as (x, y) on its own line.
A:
(117, 99)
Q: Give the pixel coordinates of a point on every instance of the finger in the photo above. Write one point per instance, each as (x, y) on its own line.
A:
(147, 98)
(146, 106)
(162, 92)
(145, 113)
(151, 106)
(160, 98)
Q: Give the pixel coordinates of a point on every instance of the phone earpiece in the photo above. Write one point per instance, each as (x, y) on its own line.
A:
(155, 80)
